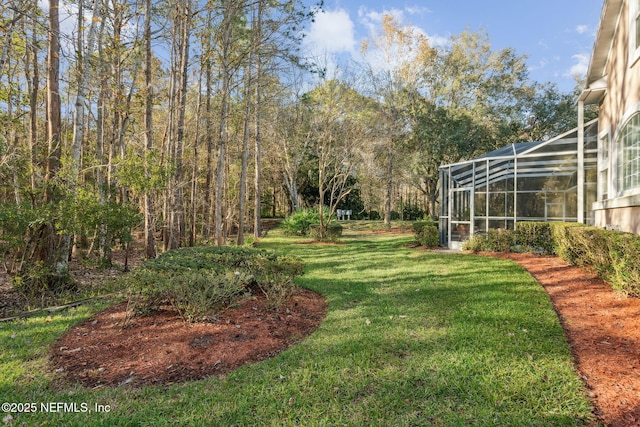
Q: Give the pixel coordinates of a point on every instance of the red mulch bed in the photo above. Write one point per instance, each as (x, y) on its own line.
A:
(602, 326)
(161, 348)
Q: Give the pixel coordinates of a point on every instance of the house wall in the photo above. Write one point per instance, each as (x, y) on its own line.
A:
(620, 102)
(623, 92)
(617, 218)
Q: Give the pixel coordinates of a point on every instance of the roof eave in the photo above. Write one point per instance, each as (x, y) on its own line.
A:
(604, 39)
(595, 92)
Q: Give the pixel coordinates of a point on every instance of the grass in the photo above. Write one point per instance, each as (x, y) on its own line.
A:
(411, 338)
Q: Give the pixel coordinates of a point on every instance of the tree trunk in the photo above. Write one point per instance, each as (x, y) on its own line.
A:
(389, 192)
(31, 60)
(257, 227)
(229, 16)
(208, 206)
(78, 125)
(245, 156)
(54, 122)
(104, 246)
(194, 172)
(149, 241)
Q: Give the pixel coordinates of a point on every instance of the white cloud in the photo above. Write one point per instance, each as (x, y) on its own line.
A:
(372, 20)
(334, 36)
(439, 41)
(332, 32)
(540, 65)
(581, 29)
(580, 66)
(417, 10)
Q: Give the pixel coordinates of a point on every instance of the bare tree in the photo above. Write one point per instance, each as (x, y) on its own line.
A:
(339, 116)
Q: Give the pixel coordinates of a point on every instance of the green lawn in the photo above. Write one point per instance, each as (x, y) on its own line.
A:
(411, 338)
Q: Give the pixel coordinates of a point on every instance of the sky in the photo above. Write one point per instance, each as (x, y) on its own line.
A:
(556, 36)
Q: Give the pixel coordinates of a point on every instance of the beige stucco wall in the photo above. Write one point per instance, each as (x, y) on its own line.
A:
(623, 92)
(621, 100)
(622, 219)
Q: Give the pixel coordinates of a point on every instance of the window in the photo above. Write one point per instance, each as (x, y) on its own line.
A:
(603, 168)
(628, 141)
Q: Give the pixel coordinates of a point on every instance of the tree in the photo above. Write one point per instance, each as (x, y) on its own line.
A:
(471, 100)
(338, 116)
(149, 241)
(180, 69)
(392, 73)
(440, 136)
(73, 165)
(549, 113)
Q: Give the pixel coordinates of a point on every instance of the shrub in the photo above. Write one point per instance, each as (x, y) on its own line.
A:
(374, 216)
(562, 246)
(615, 256)
(40, 285)
(534, 237)
(476, 243)
(276, 279)
(199, 282)
(428, 236)
(417, 226)
(493, 241)
(299, 221)
(194, 294)
(332, 232)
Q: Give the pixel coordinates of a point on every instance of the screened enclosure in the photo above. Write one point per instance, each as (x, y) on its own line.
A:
(554, 180)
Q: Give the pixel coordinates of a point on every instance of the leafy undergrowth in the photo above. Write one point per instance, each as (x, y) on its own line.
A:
(411, 338)
(200, 282)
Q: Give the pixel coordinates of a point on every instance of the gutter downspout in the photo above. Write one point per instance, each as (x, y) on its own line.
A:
(580, 177)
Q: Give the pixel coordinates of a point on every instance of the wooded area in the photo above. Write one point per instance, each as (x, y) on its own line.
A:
(192, 120)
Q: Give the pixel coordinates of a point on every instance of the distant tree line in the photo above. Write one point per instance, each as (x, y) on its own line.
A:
(189, 121)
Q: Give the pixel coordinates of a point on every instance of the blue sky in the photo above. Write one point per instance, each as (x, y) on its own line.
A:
(556, 35)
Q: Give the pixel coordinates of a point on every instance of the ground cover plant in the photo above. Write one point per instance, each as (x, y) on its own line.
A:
(411, 338)
(200, 282)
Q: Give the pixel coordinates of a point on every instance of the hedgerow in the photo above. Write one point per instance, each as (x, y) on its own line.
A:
(614, 255)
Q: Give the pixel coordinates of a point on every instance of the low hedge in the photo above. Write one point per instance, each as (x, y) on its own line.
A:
(614, 255)
(499, 240)
(200, 282)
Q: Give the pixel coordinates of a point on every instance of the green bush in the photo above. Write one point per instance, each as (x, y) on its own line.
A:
(493, 241)
(276, 279)
(332, 232)
(199, 282)
(417, 226)
(40, 285)
(299, 222)
(615, 256)
(196, 295)
(476, 243)
(562, 246)
(428, 236)
(534, 237)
